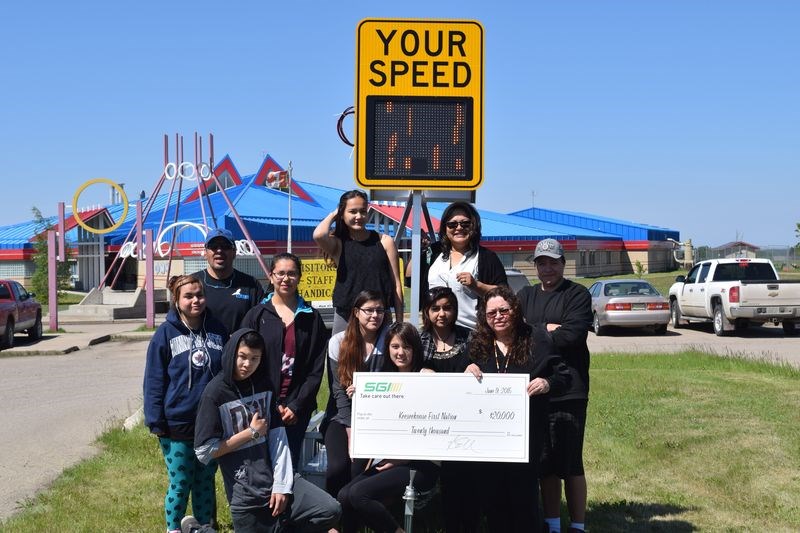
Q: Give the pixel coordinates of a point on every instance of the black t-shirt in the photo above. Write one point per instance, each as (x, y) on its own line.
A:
(231, 298)
(362, 265)
(570, 305)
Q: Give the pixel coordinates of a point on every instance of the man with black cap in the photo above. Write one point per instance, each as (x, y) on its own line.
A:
(229, 293)
(565, 308)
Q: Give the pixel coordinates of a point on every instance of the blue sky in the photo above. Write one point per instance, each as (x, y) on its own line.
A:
(682, 113)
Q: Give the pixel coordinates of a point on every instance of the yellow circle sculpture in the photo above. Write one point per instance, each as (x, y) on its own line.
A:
(83, 224)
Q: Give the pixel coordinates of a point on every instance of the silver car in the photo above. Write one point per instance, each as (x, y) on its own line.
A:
(629, 303)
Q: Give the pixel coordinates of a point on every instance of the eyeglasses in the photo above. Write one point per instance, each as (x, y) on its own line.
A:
(282, 275)
(453, 224)
(372, 310)
(500, 311)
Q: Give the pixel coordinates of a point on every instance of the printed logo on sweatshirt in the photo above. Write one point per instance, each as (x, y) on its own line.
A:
(238, 294)
(237, 414)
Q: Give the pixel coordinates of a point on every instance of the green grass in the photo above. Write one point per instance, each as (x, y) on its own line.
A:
(677, 442)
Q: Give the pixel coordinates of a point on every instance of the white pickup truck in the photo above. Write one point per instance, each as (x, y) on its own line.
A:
(734, 293)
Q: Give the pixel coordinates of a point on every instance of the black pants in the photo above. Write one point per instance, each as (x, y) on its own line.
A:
(510, 496)
(461, 497)
(363, 499)
(295, 435)
(340, 468)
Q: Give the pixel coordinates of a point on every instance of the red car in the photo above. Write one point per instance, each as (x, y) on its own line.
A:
(18, 312)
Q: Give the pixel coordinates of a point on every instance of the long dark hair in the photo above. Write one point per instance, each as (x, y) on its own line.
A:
(351, 350)
(340, 230)
(475, 234)
(482, 343)
(410, 337)
(437, 293)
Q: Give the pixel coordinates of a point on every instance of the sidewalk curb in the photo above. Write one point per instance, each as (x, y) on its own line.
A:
(24, 353)
(98, 340)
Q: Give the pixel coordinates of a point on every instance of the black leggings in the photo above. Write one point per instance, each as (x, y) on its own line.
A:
(340, 468)
(363, 498)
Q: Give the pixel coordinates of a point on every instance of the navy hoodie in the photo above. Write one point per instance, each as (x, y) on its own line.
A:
(261, 466)
(180, 363)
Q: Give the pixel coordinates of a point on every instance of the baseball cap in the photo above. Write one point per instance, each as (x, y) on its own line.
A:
(220, 233)
(550, 248)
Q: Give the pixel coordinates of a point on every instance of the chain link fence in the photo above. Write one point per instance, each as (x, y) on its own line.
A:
(784, 257)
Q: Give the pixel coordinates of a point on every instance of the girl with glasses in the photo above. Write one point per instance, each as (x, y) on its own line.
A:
(359, 348)
(295, 338)
(504, 343)
(364, 500)
(464, 265)
(364, 259)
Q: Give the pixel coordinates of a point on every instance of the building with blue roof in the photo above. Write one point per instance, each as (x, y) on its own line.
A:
(180, 211)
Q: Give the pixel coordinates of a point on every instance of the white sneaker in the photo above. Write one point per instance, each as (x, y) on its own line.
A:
(189, 524)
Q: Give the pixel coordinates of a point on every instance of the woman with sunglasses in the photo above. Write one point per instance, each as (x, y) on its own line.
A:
(364, 259)
(504, 343)
(295, 339)
(359, 348)
(464, 265)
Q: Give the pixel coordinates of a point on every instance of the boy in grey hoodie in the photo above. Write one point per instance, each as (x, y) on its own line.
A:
(238, 425)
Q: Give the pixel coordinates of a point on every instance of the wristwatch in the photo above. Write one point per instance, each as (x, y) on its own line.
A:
(255, 434)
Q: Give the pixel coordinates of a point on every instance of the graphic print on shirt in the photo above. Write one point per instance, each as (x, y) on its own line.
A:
(237, 414)
(183, 343)
(287, 369)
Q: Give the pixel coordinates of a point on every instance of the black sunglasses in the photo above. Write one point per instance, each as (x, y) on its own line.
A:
(453, 224)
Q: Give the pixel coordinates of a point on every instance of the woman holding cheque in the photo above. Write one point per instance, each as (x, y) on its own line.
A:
(364, 498)
(504, 343)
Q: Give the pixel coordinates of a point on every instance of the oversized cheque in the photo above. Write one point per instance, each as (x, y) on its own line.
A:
(440, 417)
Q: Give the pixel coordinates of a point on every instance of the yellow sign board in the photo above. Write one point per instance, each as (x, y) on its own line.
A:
(316, 283)
(419, 104)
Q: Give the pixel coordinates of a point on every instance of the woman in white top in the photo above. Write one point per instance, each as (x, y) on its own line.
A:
(465, 266)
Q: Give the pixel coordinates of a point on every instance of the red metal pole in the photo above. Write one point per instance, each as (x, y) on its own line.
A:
(241, 225)
(52, 283)
(61, 237)
(197, 176)
(150, 314)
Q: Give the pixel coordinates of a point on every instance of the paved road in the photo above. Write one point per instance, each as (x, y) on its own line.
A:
(54, 407)
(765, 342)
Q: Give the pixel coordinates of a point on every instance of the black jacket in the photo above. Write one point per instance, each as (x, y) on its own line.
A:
(311, 341)
(543, 362)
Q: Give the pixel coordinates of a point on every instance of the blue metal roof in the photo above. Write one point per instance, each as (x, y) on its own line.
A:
(628, 231)
(265, 211)
(502, 227)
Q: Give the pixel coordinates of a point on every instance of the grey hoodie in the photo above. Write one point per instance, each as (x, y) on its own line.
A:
(262, 466)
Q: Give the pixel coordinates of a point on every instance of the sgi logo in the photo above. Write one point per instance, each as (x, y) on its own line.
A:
(382, 386)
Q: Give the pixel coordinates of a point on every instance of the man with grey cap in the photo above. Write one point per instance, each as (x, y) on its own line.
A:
(229, 293)
(565, 309)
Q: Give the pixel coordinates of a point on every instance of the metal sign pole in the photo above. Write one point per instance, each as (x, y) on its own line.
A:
(416, 254)
(150, 315)
(289, 228)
